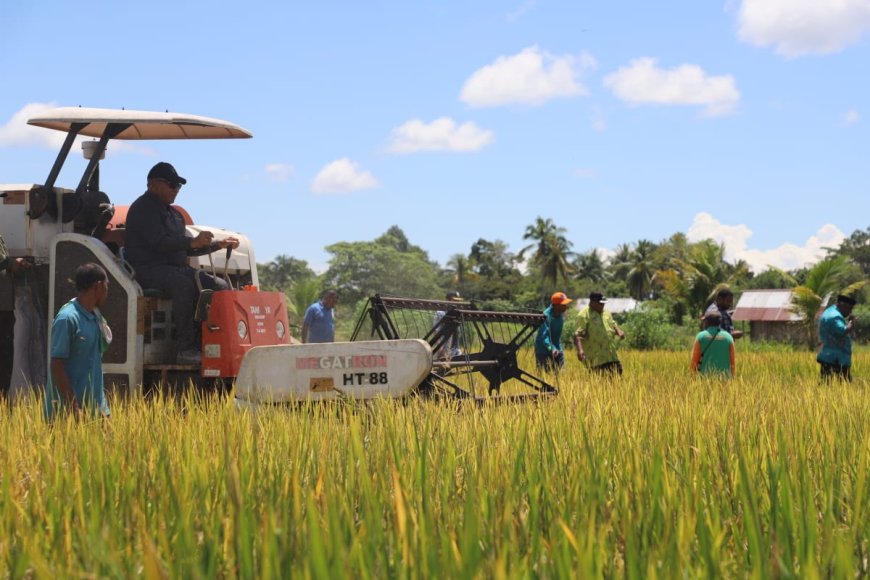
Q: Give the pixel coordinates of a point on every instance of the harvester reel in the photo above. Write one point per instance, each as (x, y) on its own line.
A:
(475, 351)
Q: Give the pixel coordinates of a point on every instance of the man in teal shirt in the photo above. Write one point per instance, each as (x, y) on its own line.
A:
(548, 342)
(79, 335)
(835, 326)
(713, 351)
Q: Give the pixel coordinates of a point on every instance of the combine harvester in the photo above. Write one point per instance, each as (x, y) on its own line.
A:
(58, 229)
(411, 354)
(245, 332)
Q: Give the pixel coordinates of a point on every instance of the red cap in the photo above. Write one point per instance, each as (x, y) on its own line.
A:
(560, 298)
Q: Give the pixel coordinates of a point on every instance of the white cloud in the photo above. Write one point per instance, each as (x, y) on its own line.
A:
(16, 132)
(851, 117)
(342, 176)
(440, 135)
(280, 172)
(800, 27)
(642, 82)
(788, 256)
(531, 77)
(584, 172)
(606, 254)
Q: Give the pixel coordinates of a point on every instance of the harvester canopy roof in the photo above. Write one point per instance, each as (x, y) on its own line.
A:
(143, 124)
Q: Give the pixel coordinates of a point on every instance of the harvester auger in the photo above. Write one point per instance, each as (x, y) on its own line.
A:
(466, 343)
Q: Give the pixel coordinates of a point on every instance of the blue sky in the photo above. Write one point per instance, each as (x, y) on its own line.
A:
(745, 121)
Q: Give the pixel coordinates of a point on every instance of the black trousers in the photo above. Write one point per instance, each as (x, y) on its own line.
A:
(7, 323)
(832, 371)
(612, 368)
(179, 283)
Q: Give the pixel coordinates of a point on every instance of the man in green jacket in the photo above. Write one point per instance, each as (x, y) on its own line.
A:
(596, 336)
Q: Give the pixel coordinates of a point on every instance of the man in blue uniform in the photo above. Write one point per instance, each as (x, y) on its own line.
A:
(835, 326)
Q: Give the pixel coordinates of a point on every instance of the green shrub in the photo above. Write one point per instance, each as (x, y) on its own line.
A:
(648, 329)
(862, 323)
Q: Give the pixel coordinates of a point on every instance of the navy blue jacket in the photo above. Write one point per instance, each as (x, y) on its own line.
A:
(155, 235)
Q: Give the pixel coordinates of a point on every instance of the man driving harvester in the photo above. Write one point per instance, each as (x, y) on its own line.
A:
(157, 247)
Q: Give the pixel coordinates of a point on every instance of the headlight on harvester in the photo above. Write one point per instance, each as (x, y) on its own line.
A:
(242, 329)
(279, 329)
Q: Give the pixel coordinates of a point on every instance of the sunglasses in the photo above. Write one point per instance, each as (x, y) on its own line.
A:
(170, 184)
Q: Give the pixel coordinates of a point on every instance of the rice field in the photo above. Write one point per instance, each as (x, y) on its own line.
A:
(654, 475)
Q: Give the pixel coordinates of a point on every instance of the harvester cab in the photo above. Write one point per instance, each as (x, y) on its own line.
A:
(58, 229)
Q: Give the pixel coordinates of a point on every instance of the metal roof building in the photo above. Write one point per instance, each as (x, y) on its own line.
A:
(769, 315)
(765, 305)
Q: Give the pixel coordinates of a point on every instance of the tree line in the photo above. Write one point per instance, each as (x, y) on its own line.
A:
(673, 277)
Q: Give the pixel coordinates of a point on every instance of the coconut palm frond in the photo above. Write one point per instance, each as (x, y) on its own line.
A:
(824, 276)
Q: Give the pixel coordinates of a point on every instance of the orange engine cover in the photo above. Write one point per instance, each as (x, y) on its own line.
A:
(237, 321)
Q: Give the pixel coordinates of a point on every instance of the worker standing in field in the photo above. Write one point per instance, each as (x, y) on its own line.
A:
(596, 336)
(451, 347)
(7, 317)
(79, 336)
(835, 327)
(549, 353)
(713, 351)
(318, 325)
(723, 303)
(22, 327)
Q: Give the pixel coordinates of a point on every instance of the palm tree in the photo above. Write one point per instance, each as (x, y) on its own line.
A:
(491, 258)
(675, 247)
(642, 272)
(460, 266)
(695, 279)
(822, 280)
(552, 251)
(589, 266)
(620, 262)
(304, 293)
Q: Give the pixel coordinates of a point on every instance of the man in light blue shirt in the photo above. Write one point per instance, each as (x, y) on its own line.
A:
(835, 325)
(79, 335)
(319, 322)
